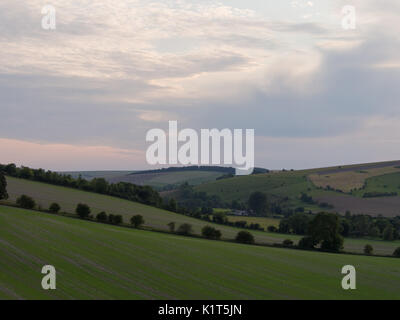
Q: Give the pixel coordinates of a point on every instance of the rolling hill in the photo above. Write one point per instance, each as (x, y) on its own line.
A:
(156, 218)
(98, 261)
(343, 187)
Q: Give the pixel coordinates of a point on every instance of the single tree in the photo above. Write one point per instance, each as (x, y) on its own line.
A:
(185, 229)
(137, 220)
(211, 233)
(54, 208)
(244, 237)
(102, 217)
(388, 233)
(324, 229)
(117, 219)
(82, 210)
(171, 226)
(26, 202)
(368, 249)
(258, 203)
(3, 187)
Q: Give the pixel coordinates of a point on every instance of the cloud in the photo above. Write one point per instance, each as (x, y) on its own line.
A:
(114, 69)
(73, 157)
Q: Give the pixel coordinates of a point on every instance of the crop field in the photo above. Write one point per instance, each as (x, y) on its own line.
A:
(386, 206)
(349, 180)
(68, 198)
(97, 261)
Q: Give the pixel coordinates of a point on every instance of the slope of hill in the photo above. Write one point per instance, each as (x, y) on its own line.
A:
(163, 179)
(322, 185)
(156, 218)
(97, 261)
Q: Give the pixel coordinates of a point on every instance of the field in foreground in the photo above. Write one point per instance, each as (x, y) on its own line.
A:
(156, 218)
(97, 261)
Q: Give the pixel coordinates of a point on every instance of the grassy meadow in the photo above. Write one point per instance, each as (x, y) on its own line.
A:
(68, 198)
(98, 261)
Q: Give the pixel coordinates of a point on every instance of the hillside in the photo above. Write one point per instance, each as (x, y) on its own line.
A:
(343, 187)
(97, 261)
(68, 198)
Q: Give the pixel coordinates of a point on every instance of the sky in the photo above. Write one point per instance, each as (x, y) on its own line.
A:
(83, 96)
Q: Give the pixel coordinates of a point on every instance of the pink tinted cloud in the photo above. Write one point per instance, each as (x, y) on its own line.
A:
(69, 157)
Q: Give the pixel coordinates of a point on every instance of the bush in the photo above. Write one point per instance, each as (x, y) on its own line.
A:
(388, 233)
(102, 217)
(26, 202)
(368, 249)
(185, 229)
(211, 233)
(54, 208)
(287, 243)
(244, 237)
(306, 243)
(272, 229)
(137, 221)
(171, 226)
(117, 219)
(82, 210)
(396, 252)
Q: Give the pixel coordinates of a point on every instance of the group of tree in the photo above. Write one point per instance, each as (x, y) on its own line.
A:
(211, 233)
(129, 191)
(3, 187)
(356, 226)
(26, 202)
(324, 231)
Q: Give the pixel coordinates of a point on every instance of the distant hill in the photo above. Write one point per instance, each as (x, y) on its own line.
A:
(165, 178)
(370, 188)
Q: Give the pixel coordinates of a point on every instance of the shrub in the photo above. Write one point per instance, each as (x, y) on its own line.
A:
(244, 237)
(396, 252)
(185, 229)
(171, 226)
(102, 217)
(211, 233)
(137, 221)
(368, 249)
(306, 243)
(82, 210)
(117, 219)
(287, 243)
(26, 202)
(272, 229)
(388, 233)
(54, 208)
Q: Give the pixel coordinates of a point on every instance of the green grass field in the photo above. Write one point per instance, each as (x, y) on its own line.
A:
(68, 198)
(97, 261)
(384, 183)
(278, 184)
